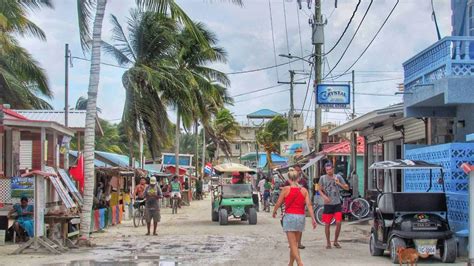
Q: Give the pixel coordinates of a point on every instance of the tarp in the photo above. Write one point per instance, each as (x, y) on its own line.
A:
(276, 159)
(233, 167)
(404, 164)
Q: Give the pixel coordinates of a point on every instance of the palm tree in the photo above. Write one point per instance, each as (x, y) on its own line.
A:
(22, 80)
(85, 10)
(223, 131)
(270, 136)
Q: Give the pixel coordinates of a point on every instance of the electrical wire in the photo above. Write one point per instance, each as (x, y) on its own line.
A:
(299, 32)
(353, 36)
(273, 39)
(102, 63)
(262, 89)
(307, 88)
(261, 96)
(286, 30)
(345, 30)
(376, 34)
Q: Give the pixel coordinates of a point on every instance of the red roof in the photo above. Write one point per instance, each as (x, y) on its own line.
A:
(344, 148)
(12, 113)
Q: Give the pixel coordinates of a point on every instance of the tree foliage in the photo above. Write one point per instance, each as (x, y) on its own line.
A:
(22, 80)
(270, 136)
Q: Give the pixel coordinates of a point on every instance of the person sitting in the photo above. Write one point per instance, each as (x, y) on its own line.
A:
(24, 217)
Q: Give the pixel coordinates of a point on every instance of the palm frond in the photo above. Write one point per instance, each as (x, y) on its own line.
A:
(121, 58)
(118, 35)
(85, 17)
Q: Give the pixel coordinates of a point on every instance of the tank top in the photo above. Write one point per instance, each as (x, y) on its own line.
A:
(295, 201)
(175, 187)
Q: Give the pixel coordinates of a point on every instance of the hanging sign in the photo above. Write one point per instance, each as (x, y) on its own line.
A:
(333, 96)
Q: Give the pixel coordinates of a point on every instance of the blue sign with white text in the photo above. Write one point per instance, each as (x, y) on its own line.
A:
(333, 95)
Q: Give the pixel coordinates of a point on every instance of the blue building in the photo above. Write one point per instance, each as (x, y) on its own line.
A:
(439, 88)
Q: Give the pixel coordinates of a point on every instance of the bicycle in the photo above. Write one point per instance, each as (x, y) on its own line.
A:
(174, 204)
(139, 213)
(359, 208)
(266, 203)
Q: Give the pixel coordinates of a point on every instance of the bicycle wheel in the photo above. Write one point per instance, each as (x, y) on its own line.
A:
(318, 213)
(175, 206)
(142, 214)
(359, 208)
(136, 217)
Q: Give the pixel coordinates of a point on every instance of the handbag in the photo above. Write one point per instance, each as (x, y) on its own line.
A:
(286, 207)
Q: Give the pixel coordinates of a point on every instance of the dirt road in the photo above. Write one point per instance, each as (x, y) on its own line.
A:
(190, 238)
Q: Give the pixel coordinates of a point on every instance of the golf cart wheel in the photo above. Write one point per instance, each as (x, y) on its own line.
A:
(396, 243)
(252, 216)
(448, 250)
(214, 215)
(223, 217)
(318, 213)
(374, 251)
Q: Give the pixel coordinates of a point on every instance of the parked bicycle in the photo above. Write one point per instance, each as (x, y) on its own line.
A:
(359, 208)
(139, 213)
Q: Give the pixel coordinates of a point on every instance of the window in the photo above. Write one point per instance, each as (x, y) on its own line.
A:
(237, 146)
(26, 154)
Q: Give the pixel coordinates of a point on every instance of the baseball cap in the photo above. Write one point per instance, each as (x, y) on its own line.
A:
(153, 180)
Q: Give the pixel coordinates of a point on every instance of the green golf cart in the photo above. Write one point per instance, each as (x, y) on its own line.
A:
(232, 199)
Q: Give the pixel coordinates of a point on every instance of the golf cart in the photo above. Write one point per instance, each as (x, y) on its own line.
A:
(232, 199)
(411, 219)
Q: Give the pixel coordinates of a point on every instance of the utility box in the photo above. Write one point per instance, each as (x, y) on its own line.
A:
(318, 33)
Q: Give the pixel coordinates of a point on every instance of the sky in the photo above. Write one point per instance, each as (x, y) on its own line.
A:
(246, 34)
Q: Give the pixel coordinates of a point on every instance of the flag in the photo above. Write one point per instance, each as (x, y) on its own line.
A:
(208, 169)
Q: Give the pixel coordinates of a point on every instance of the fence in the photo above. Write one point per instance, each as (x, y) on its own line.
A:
(450, 156)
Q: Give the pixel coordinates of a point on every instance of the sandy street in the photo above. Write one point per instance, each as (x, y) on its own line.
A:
(190, 238)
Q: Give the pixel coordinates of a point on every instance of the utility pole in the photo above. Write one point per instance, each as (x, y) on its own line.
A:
(353, 172)
(203, 158)
(66, 100)
(292, 107)
(318, 41)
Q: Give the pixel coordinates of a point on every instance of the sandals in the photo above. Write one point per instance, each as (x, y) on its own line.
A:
(328, 247)
(336, 245)
(301, 247)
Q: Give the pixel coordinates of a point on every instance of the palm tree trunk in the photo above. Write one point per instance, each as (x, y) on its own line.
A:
(269, 162)
(89, 138)
(176, 151)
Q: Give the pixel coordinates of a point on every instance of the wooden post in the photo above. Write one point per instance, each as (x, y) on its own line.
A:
(43, 148)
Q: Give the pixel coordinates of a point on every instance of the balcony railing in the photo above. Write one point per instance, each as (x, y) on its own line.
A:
(450, 56)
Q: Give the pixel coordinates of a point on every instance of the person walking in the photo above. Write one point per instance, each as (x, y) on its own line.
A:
(295, 198)
(329, 189)
(152, 208)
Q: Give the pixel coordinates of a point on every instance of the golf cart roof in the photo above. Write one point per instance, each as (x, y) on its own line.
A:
(404, 164)
(233, 167)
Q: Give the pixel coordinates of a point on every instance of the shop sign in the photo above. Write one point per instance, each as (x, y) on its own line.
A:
(333, 96)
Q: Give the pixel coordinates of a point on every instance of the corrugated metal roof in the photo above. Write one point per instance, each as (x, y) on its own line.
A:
(97, 163)
(344, 148)
(76, 118)
(117, 159)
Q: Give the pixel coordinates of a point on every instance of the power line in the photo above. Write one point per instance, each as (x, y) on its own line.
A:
(273, 38)
(353, 36)
(102, 63)
(263, 89)
(376, 34)
(345, 30)
(260, 69)
(286, 30)
(261, 96)
(299, 32)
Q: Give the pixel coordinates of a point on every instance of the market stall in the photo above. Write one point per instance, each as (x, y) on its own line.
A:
(112, 194)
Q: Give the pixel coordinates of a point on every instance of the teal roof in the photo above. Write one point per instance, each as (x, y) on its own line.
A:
(117, 160)
(263, 113)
